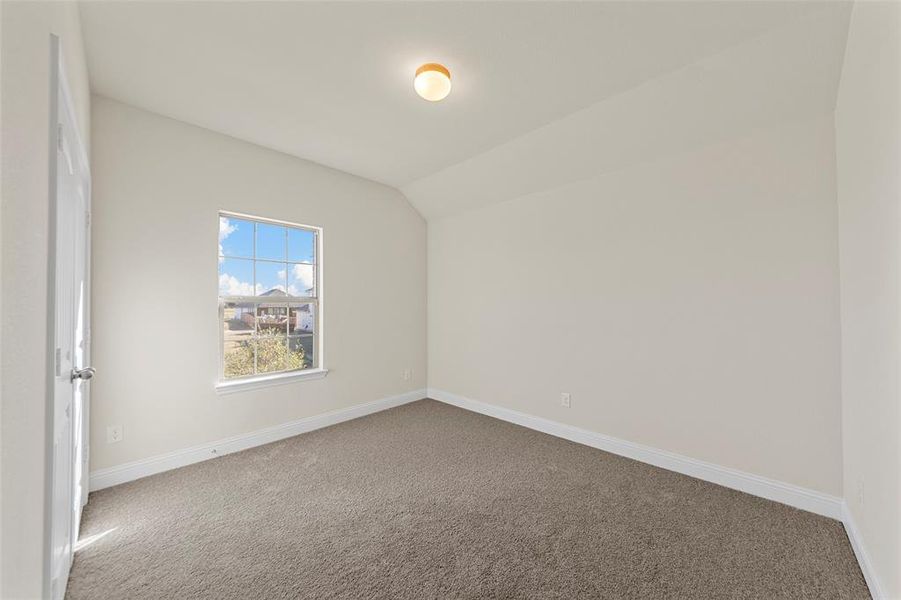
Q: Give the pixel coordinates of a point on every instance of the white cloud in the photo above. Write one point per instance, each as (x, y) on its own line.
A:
(225, 230)
(232, 286)
(301, 277)
(303, 280)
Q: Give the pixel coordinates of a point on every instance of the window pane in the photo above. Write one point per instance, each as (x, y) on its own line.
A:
(301, 280)
(272, 318)
(300, 350)
(235, 277)
(272, 352)
(267, 262)
(237, 340)
(235, 237)
(270, 241)
(301, 245)
(271, 278)
(302, 319)
(301, 341)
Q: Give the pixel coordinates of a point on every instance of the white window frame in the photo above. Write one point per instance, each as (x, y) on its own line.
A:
(317, 370)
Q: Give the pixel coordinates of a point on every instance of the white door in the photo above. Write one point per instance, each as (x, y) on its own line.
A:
(71, 350)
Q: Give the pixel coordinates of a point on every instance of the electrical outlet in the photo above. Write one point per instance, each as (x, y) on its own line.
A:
(860, 490)
(113, 434)
(565, 400)
(408, 374)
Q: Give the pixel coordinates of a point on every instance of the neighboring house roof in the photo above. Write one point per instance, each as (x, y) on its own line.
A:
(274, 292)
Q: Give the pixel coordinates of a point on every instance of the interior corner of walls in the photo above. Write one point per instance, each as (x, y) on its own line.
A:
(863, 555)
(866, 121)
(411, 204)
(849, 8)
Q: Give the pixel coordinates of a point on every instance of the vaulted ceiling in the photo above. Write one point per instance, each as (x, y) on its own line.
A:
(543, 93)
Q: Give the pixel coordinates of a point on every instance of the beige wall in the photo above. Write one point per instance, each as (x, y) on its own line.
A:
(690, 304)
(868, 134)
(24, 136)
(158, 184)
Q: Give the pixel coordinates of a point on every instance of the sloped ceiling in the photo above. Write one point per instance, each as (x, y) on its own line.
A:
(544, 93)
(790, 72)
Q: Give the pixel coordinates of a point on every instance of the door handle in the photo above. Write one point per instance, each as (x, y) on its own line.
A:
(83, 374)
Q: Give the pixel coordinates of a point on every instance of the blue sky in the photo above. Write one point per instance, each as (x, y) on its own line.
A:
(286, 245)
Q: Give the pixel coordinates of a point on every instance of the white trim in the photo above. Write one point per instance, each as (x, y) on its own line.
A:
(264, 381)
(863, 558)
(104, 478)
(247, 217)
(792, 495)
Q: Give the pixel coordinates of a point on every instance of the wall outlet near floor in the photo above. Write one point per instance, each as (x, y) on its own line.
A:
(860, 490)
(408, 374)
(565, 400)
(113, 434)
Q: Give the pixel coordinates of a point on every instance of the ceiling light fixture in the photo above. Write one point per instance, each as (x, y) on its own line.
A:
(432, 82)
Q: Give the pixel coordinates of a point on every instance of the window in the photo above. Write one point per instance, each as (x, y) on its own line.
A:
(269, 280)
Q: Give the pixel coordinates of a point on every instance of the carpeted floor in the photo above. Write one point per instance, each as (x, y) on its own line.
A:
(430, 501)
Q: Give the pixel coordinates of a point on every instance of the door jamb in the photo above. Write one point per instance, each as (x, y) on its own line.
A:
(50, 375)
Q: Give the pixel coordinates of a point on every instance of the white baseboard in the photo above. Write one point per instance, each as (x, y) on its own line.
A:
(103, 478)
(792, 495)
(863, 558)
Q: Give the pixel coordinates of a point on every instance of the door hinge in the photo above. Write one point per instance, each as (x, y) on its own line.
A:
(58, 359)
(87, 218)
(64, 148)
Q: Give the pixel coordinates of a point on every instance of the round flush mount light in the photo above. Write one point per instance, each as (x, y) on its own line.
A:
(432, 82)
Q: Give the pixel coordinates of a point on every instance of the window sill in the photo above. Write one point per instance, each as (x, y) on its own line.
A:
(252, 383)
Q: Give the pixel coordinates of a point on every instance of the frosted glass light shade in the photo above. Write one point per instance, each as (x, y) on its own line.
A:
(432, 82)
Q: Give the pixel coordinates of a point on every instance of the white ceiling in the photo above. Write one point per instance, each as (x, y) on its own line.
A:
(332, 82)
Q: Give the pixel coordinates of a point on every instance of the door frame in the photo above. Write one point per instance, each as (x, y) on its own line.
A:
(60, 96)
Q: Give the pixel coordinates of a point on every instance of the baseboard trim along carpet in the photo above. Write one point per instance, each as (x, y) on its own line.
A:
(778, 491)
(792, 495)
(103, 478)
(863, 558)
(429, 500)
(785, 493)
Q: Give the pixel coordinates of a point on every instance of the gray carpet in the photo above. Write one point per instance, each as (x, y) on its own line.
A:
(430, 501)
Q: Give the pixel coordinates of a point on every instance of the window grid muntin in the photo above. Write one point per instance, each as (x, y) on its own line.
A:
(255, 301)
(286, 300)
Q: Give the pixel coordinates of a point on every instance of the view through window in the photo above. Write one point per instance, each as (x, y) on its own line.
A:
(268, 296)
